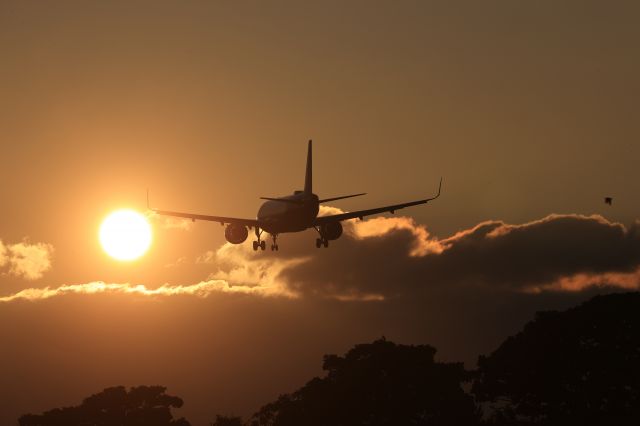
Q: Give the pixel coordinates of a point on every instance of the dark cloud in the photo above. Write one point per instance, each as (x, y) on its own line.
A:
(540, 252)
(394, 256)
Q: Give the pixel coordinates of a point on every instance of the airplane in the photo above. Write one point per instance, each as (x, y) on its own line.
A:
(291, 213)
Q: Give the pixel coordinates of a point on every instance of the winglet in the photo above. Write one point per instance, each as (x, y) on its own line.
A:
(308, 189)
(439, 190)
(437, 195)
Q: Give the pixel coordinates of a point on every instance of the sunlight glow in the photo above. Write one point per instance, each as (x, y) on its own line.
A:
(125, 235)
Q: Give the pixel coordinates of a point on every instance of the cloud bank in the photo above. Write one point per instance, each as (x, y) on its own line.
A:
(395, 256)
(392, 257)
(26, 260)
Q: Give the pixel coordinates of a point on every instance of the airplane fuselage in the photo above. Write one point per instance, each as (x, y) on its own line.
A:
(294, 213)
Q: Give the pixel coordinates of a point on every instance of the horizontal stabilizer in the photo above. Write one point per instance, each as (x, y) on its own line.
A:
(340, 198)
(284, 200)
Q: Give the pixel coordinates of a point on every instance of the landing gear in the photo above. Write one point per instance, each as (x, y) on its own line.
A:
(322, 242)
(258, 242)
(274, 245)
(260, 245)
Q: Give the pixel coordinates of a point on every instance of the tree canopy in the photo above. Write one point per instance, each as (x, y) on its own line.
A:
(379, 383)
(580, 366)
(115, 406)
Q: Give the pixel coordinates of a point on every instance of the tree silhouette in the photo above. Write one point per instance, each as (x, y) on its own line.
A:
(380, 383)
(115, 406)
(581, 366)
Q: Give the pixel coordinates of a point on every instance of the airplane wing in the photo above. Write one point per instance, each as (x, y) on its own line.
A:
(361, 213)
(221, 219)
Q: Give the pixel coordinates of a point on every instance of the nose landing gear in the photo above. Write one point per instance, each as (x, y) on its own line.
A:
(274, 245)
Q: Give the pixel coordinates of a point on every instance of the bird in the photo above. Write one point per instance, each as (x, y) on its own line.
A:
(608, 200)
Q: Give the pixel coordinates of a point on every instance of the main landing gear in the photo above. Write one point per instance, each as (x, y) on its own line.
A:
(322, 241)
(274, 245)
(261, 244)
(258, 242)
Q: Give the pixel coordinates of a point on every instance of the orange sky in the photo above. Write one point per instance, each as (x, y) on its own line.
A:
(526, 109)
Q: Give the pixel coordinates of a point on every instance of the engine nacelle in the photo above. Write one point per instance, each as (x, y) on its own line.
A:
(331, 230)
(236, 234)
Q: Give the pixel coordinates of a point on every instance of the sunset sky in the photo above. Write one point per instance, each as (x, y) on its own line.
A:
(529, 110)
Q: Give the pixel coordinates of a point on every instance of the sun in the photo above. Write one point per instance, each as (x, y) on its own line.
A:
(125, 235)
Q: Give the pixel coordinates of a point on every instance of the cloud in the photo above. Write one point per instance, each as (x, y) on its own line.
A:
(239, 266)
(423, 244)
(202, 289)
(208, 257)
(540, 252)
(579, 282)
(26, 260)
(393, 256)
(3, 255)
(179, 262)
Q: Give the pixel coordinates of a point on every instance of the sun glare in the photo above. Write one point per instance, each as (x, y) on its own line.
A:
(125, 235)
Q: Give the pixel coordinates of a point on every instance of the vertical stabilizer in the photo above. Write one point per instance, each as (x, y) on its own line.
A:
(308, 187)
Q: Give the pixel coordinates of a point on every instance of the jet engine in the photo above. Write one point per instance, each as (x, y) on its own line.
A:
(331, 230)
(235, 233)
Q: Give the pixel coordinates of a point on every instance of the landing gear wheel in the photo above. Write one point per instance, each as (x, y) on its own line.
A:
(318, 242)
(255, 246)
(277, 248)
(325, 243)
(263, 245)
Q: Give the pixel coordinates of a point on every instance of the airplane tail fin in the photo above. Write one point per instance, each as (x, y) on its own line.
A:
(308, 186)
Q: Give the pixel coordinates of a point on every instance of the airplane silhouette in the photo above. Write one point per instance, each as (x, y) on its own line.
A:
(291, 213)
